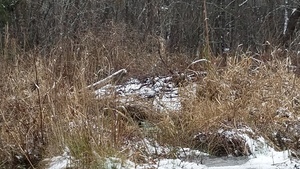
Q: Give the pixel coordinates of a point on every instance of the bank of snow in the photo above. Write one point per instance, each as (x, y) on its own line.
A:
(263, 157)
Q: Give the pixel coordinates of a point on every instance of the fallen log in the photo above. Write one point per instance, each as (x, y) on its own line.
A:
(113, 78)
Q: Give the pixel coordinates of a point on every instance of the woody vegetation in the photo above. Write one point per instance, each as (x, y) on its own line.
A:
(53, 51)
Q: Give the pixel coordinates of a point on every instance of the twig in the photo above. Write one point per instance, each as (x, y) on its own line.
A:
(26, 156)
(39, 97)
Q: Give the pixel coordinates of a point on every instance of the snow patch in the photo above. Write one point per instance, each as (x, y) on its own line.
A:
(61, 162)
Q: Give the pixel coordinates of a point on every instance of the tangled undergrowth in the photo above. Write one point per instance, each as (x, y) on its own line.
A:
(46, 107)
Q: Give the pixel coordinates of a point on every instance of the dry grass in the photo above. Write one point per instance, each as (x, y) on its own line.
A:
(261, 97)
(45, 106)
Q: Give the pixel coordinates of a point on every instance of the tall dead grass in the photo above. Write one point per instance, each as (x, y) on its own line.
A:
(244, 94)
(48, 87)
(45, 105)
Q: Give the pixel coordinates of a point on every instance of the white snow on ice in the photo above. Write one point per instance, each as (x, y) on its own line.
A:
(267, 158)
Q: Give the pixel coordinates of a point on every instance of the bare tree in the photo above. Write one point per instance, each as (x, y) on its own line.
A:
(231, 24)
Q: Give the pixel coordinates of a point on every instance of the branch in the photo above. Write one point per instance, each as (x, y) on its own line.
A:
(113, 78)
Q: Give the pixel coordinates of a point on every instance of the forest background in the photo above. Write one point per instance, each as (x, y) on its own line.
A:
(50, 50)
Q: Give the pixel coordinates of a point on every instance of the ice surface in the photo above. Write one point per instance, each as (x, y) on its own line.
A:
(265, 158)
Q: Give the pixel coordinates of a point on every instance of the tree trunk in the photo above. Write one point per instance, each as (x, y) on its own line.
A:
(291, 26)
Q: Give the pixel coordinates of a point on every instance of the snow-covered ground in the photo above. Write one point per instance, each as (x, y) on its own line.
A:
(161, 90)
(266, 158)
(165, 95)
